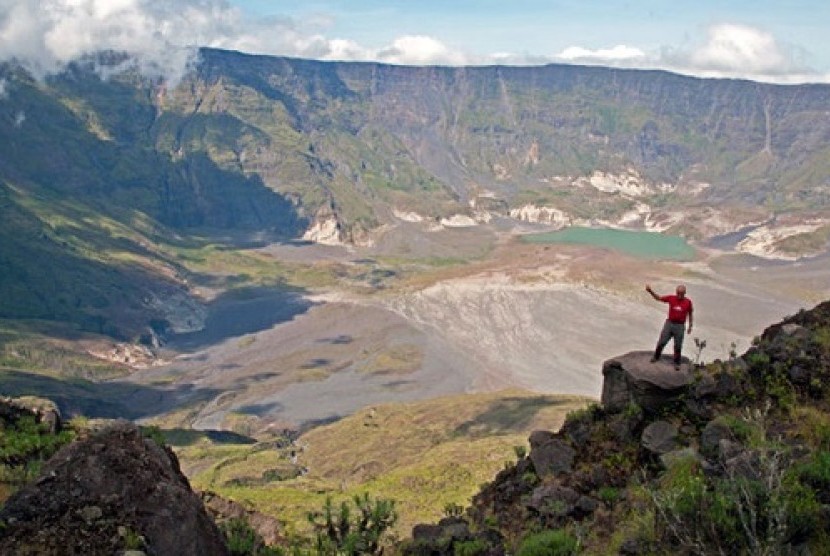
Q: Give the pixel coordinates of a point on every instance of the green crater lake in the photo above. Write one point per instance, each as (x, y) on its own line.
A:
(647, 245)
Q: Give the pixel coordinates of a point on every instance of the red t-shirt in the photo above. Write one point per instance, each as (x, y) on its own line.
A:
(679, 309)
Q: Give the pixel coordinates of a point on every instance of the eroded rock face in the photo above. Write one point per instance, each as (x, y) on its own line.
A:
(633, 378)
(96, 493)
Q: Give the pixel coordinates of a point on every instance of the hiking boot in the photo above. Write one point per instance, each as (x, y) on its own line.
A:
(677, 366)
(653, 359)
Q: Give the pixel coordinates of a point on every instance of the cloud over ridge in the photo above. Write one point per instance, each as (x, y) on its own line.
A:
(163, 38)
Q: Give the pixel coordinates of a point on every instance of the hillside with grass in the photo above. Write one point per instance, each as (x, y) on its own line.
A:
(123, 197)
(736, 462)
(427, 456)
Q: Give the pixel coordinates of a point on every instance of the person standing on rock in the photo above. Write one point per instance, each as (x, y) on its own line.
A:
(680, 308)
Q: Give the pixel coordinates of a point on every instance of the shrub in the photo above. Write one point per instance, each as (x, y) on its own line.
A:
(760, 509)
(608, 494)
(452, 509)
(24, 446)
(155, 434)
(344, 531)
(243, 540)
(475, 547)
(556, 542)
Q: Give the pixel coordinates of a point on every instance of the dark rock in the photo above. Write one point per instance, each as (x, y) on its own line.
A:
(586, 505)
(578, 432)
(90, 488)
(727, 449)
(550, 455)
(632, 547)
(553, 500)
(660, 437)
(799, 375)
(705, 386)
(745, 465)
(727, 385)
(711, 435)
(633, 378)
(698, 409)
(427, 533)
(624, 425)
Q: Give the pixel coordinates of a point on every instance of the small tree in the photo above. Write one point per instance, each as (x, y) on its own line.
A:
(351, 531)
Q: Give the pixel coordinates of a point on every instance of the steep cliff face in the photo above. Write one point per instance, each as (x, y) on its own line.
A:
(256, 146)
(508, 128)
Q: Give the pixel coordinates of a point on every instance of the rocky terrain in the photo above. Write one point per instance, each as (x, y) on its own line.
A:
(725, 458)
(537, 317)
(112, 491)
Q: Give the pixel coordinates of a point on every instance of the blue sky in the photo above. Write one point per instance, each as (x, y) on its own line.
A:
(783, 42)
(778, 40)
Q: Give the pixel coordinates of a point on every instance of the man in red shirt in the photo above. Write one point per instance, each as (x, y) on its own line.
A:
(680, 307)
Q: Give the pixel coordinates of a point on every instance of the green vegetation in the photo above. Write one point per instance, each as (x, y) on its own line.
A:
(25, 445)
(549, 543)
(361, 528)
(426, 456)
(243, 540)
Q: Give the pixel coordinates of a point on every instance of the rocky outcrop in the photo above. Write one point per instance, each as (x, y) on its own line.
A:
(44, 411)
(223, 510)
(678, 450)
(550, 455)
(633, 378)
(112, 491)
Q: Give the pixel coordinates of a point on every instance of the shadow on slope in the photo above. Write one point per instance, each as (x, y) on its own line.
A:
(109, 400)
(509, 415)
(244, 311)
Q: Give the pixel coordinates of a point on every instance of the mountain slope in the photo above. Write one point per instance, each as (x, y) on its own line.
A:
(104, 179)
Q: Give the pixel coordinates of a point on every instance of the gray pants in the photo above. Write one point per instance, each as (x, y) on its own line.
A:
(671, 330)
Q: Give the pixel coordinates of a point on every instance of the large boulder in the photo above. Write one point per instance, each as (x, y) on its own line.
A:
(107, 493)
(550, 455)
(659, 437)
(633, 378)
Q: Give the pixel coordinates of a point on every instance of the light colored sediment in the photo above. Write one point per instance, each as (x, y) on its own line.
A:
(533, 316)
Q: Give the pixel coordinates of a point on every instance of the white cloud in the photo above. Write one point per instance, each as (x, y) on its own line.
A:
(420, 50)
(739, 48)
(740, 51)
(19, 118)
(610, 56)
(46, 34)
(3, 92)
(728, 51)
(163, 36)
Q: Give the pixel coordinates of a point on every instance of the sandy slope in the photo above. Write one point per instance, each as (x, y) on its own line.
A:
(535, 317)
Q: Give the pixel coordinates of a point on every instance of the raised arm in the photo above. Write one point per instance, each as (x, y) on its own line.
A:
(651, 291)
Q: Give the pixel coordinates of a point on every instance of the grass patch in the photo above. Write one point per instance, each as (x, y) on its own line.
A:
(423, 455)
